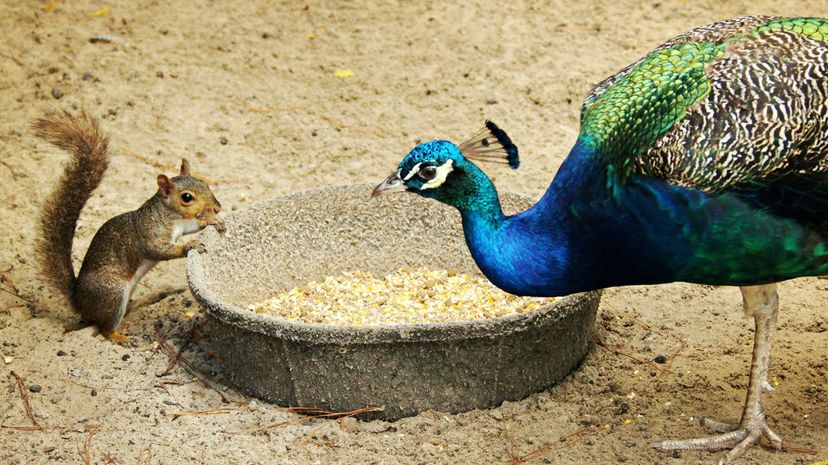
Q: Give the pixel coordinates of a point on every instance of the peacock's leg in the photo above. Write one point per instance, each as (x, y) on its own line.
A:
(762, 303)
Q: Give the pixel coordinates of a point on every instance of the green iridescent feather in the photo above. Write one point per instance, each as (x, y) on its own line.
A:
(648, 101)
(813, 28)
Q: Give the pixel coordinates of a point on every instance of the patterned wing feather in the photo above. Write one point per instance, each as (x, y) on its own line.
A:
(734, 106)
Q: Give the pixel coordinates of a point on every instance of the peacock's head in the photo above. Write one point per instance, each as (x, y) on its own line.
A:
(443, 171)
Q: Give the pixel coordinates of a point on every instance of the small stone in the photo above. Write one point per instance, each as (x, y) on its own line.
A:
(88, 76)
(57, 94)
(125, 357)
(676, 454)
(42, 414)
(187, 303)
(660, 358)
(94, 392)
(8, 359)
(35, 388)
(615, 388)
(223, 140)
(653, 373)
(490, 101)
(79, 372)
(159, 74)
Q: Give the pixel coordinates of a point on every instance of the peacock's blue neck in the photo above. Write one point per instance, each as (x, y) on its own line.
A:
(591, 231)
(572, 240)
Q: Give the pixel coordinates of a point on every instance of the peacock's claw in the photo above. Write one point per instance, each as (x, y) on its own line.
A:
(738, 438)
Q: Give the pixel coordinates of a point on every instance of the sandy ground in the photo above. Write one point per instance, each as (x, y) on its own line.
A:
(248, 92)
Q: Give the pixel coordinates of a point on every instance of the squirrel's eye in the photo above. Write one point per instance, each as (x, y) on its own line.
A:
(187, 197)
(428, 172)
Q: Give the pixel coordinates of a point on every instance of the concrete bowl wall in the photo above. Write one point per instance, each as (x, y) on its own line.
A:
(275, 245)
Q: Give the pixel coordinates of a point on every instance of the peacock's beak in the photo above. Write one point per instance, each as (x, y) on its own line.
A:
(393, 183)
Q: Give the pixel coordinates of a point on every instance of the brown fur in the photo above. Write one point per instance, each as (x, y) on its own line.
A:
(126, 246)
(82, 137)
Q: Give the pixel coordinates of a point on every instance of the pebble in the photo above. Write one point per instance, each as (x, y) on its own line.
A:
(42, 414)
(57, 93)
(125, 357)
(223, 140)
(8, 359)
(61, 353)
(35, 388)
(94, 392)
(88, 76)
(79, 372)
(660, 358)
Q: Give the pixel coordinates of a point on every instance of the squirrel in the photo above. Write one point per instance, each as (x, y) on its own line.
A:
(127, 246)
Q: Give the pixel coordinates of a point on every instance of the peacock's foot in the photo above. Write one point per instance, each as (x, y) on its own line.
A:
(738, 438)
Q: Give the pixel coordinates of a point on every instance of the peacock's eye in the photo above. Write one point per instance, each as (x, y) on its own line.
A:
(428, 172)
(187, 197)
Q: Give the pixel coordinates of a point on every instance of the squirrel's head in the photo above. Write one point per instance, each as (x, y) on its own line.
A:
(187, 195)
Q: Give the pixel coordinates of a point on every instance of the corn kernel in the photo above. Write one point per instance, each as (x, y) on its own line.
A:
(406, 296)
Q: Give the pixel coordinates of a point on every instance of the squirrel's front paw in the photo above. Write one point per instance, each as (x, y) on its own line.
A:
(219, 225)
(194, 245)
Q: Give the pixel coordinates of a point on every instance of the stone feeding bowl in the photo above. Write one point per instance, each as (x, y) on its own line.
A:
(275, 245)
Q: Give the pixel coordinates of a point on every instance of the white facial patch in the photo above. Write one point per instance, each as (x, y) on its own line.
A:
(442, 172)
(414, 170)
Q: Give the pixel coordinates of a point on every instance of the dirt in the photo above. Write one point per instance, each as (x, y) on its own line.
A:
(249, 92)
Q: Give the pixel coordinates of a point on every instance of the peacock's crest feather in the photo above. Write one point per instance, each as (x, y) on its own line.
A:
(626, 119)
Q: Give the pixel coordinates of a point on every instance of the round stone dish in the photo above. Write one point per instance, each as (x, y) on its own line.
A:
(282, 243)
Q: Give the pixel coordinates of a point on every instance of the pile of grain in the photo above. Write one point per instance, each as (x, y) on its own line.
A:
(406, 296)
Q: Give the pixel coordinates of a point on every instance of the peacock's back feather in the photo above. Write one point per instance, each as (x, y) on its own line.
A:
(739, 106)
(740, 101)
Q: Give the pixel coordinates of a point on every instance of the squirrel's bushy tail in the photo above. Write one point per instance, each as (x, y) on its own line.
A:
(83, 138)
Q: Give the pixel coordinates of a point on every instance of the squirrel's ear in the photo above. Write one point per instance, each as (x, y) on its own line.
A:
(185, 167)
(165, 186)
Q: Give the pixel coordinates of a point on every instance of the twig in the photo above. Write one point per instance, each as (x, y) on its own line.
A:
(310, 413)
(213, 411)
(174, 359)
(5, 310)
(86, 456)
(547, 448)
(179, 359)
(13, 172)
(26, 406)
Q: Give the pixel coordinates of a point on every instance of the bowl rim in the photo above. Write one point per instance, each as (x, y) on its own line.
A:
(294, 330)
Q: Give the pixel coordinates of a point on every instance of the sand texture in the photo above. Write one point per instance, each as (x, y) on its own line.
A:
(257, 95)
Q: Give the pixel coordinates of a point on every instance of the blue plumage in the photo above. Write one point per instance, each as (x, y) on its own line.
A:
(706, 161)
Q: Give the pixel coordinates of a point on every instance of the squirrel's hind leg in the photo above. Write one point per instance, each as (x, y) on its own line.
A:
(103, 300)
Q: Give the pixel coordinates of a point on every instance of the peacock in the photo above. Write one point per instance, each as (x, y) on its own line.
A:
(706, 161)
